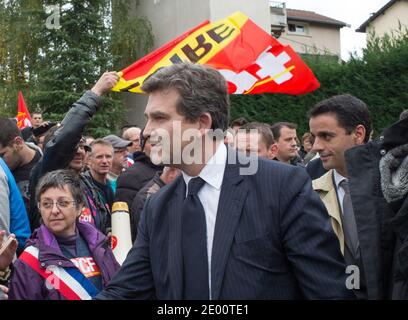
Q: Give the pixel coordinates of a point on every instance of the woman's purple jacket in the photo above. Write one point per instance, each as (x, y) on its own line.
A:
(27, 284)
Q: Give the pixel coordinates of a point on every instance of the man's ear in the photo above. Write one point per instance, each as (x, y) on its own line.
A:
(359, 134)
(273, 150)
(18, 143)
(270, 152)
(204, 123)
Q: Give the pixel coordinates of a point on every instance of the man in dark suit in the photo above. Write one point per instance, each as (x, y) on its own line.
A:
(259, 230)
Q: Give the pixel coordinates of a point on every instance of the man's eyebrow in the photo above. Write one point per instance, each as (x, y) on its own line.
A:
(326, 133)
(158, 114)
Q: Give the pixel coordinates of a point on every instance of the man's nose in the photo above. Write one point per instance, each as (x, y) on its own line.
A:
(316, 146)
(147, 131)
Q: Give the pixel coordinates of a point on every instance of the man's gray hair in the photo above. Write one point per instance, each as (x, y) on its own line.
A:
(201, 88)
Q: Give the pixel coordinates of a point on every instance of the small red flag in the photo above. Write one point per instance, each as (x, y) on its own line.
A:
(23, 116)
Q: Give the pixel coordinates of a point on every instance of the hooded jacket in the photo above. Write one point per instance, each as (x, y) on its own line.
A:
(382, 220)
(27, 284)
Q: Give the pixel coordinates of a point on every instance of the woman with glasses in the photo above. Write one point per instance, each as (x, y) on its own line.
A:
(64, 258)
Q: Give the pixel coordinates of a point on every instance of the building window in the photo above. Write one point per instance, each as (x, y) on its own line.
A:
(297, 28)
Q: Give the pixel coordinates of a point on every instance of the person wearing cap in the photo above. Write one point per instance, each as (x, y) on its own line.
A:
(66, 149)
(120, 160)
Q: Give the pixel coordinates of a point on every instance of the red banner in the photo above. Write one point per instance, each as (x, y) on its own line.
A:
(250, 59)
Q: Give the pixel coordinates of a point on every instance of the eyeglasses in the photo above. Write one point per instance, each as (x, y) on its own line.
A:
(61, 204)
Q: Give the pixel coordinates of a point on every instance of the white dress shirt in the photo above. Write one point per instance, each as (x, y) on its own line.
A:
(209, 195)
(338, 178)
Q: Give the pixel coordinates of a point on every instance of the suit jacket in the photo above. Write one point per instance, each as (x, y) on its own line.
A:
(326, 189)
(315, 168)
(272, 240)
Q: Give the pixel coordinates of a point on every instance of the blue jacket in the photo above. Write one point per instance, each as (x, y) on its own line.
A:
(19, 224)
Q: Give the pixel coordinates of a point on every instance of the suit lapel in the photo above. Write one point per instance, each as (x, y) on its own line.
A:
(232, 199)
(175, 252)
(326, 187)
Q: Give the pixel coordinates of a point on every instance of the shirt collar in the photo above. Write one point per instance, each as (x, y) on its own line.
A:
(338, 178)
(213, 172)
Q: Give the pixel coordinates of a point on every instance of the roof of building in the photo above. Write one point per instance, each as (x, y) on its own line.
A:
(310, 16)
(374, 16)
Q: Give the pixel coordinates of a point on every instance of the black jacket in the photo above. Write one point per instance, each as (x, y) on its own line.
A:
(315, 168)
(59, 152)
(382, 226)
(134, 178)
(136, 209)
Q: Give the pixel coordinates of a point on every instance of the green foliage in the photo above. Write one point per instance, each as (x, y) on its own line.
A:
(53, 67)
(379, 78)
(131, 36)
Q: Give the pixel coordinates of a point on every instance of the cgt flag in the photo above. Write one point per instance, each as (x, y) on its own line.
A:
(250, 59)
(23, 116)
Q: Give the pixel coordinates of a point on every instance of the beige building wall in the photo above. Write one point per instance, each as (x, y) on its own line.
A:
(171, 18)
(256, 10)
(389, 20)
(319, 39)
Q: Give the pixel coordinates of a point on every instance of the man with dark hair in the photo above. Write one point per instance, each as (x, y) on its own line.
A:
(238, 123)
(19, 156)
(338, 124)
(285, 148)
(255, 138)
(221, 231)
(36, 121)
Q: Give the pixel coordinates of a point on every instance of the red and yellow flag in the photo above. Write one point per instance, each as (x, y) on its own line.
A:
(250, 59)
(23, 116)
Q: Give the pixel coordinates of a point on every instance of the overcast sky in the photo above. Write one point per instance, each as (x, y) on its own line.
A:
(353, 12)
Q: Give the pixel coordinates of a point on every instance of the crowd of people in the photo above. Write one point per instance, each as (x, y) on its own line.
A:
(321, 217)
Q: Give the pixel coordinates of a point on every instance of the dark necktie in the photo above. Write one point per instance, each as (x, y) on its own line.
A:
(349, 225)
(194, 244)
